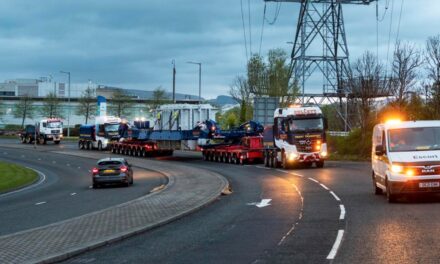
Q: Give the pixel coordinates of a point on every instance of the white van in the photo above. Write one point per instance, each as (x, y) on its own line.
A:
(406, 158)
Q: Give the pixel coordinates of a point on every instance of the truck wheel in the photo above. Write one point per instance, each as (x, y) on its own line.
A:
(88, 145)
(284, 161)
(275, 161)
(320, 164)
(28, 140)
(99, 146)
(22, 140)
(377, 190)
(266, 159)
(228, 158)
(57, 142)
(242, 160)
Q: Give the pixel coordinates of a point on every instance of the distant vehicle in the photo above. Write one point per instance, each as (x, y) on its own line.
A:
(298, 138)
(100, 135)
(112, 170)
(45, 130)
(406, 158)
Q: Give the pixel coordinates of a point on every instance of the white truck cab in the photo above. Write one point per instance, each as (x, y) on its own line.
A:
(298, 137)
(406, 158)
(50, 129)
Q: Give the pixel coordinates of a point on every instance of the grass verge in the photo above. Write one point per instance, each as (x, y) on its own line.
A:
(13, 176)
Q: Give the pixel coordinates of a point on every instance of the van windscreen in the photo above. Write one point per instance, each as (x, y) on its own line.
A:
(414, 139)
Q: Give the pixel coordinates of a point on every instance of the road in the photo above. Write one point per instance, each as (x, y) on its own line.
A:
(65, 193)
(309, 210)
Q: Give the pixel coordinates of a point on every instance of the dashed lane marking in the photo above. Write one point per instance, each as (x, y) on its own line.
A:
(334, 195)
(342, 215)
(72, 194)
(283, 171)
(68, 165)
(39, 158)
(336, 245)
(296, 174)
(40, 203)
(260, 167)
(79, 168)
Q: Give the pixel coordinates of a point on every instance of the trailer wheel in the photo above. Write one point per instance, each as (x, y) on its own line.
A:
(241, 160)
(88, 145)
(229, 158)
(266, 158)
(28, 140)
(80, 144)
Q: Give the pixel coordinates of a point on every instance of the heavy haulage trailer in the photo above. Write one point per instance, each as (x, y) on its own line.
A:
(240, 146)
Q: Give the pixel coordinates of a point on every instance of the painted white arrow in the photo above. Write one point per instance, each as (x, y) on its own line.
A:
(263, 203)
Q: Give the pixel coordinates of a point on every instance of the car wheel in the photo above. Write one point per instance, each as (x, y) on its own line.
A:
(95, 186)
(131, 180)
(377, 190)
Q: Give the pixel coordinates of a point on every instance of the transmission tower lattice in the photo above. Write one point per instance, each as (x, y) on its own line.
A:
(320, 44)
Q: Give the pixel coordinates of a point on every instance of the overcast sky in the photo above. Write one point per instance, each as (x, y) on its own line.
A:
(131, 44)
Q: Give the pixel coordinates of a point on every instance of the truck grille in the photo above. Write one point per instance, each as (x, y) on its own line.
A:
(306, 145)
(55, 131)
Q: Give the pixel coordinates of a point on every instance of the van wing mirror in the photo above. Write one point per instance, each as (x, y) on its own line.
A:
(379, 150)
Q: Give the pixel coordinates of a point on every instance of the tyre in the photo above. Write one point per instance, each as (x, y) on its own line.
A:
(88, 145)
(266, 159)
(143, 153)
(320, 164)
(131, 180)
(28, 140)
(275, 161)
(391, 197)
(80, 145)
(284, 161)
(99, 146)
(242, 161)
(229, 158)
(23, 140)
(57, 142)
(95, 186)
(377, 190)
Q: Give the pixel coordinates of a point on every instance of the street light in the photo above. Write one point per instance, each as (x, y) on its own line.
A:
(68, 104)
(200, 78)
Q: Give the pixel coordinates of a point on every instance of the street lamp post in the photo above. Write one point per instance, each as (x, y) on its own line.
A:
(68, 104)
(200, 77)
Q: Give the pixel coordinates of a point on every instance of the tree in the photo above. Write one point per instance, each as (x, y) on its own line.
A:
(405, 66)
(272, 78)
(229, 119)
(240, 91)
(433, 69)
(159, 97)
(119, 103)
(51, 106)
(87, 104)
(366, 85)
(24, 109)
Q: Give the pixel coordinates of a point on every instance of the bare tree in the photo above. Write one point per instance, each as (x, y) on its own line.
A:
(366, 85)
(241, 92)
(159, 97)
(87, 104)
(433, 69)
(406, 62)
(51, 106)
(24, 109)
(120, 103)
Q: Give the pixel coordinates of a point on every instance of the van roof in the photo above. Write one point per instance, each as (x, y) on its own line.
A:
(410, 124)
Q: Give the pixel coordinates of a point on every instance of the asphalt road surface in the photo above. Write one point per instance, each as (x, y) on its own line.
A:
(314, 216)
(66, 191)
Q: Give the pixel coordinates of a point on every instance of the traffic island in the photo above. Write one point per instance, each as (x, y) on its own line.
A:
(188, 190)
(13, 177)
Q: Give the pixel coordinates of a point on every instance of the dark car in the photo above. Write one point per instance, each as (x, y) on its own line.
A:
(112, 170)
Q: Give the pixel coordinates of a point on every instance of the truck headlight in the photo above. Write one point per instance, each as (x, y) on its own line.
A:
(324, 153)
(396, 168)
(293, 156)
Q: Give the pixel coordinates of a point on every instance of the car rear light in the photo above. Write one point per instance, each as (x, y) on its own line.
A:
(95, 170)
(124, 169)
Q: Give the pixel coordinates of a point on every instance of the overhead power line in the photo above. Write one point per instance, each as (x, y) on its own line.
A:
(244, 30)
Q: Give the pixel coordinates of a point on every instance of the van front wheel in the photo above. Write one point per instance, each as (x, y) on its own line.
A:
(392, 198)
(377, 190)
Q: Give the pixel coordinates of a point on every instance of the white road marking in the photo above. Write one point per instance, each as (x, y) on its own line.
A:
(336, 245)
(263, 203)
(22, 156)
(54, 162)
(40, 203)
(39, 158)
(283, 171)
(79, 168)
(72, 194)
(334, 195)
(260, 167)
(6, 153)
(296, 174)
(68, 165)
(90, 187)
(342, 215)
(313, 180)
(90, 171)
(325, 187)
(299, 218)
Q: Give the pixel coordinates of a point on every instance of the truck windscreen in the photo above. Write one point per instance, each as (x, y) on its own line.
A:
(414, 139)
(111, 127)
(305, 125)
(54, 124)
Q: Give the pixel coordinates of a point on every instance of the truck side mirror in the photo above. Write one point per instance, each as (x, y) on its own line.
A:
(379, 150)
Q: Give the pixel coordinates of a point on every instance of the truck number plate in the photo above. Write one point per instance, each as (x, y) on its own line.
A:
(429, 184)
